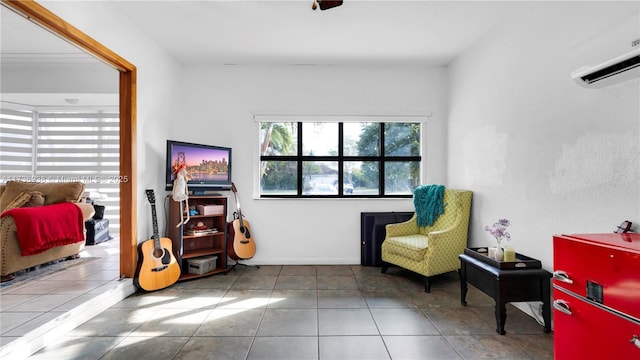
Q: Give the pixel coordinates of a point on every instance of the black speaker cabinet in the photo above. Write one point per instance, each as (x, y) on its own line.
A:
(97, 231)
(373, 232)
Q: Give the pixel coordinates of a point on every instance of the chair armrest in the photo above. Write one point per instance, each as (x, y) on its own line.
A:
(409, 227)
(448, 240)
(435, 237)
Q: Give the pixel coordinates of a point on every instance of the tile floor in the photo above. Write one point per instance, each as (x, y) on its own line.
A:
(33, 314)
(304, 312)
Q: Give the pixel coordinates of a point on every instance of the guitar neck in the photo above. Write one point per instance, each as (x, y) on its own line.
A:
(156, 236)
(238, 207)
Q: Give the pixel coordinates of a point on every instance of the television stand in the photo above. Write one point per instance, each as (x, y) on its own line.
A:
(199, 252)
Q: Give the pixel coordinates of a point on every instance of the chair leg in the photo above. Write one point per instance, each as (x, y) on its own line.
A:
(385, 267)
(427, 284)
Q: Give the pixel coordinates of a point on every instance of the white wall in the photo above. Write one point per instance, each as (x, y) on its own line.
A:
(216, 104)
(220, 102)
(536, 148)
(158, 93)
(90, 78)
(532, 145)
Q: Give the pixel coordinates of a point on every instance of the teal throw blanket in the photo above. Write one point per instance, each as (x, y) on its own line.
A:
(428, 201)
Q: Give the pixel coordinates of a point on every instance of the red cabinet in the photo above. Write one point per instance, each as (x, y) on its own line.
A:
(596, 292)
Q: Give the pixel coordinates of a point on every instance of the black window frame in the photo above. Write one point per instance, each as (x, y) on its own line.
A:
(341, 159)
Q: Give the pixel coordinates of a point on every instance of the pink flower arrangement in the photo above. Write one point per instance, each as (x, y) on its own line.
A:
(499, 230)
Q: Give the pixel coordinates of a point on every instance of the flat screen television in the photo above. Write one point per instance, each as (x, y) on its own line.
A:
(208, 166)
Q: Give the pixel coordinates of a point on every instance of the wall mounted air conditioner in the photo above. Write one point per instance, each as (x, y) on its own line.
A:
(614, 57)
(622, 68)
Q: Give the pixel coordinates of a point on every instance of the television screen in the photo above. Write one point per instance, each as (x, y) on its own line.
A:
(208, 166)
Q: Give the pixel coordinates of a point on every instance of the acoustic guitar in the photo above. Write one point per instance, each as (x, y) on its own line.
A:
(240, 244)
(157, 267)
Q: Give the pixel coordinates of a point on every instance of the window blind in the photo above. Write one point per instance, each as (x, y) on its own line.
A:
(62, 146)
(17, 143)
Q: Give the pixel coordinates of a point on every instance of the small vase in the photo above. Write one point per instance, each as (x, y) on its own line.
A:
(499, 253)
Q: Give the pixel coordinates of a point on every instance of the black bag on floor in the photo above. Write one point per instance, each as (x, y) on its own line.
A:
(97, 231)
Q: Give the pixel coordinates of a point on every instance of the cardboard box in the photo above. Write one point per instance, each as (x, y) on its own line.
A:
(202, 265)
(210, 209)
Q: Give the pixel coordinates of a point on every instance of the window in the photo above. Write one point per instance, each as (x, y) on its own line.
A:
(63, 146)
(339, 159)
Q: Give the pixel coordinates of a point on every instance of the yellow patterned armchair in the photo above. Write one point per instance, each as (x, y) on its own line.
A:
(430, 250)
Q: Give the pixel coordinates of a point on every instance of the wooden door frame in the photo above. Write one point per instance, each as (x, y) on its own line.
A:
(128, 210)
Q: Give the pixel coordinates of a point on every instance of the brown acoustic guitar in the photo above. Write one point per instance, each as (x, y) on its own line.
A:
(240, 244)
(157, 267)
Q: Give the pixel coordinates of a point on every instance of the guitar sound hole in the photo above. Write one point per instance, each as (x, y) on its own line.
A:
(157, 253)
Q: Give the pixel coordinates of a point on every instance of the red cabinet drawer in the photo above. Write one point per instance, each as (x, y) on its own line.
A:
(612, 268)
(586, 331)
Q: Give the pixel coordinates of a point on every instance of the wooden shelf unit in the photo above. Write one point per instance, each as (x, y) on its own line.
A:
(187, 247)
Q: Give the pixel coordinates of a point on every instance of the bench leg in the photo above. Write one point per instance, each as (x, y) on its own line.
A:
(463, 285)
(501, 316)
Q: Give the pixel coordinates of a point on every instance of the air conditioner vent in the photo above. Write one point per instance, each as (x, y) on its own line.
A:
(612, 70)
(611, 56)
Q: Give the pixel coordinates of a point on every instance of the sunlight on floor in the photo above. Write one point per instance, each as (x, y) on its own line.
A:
(251, 303)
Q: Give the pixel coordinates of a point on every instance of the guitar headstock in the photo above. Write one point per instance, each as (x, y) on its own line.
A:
(151, 196)
(233, 187)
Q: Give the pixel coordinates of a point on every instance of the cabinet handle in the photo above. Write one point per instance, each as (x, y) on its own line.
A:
(562, 276)
(635, 341)
(562, 306)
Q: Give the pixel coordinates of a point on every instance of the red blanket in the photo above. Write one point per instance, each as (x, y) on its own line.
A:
(44, 227)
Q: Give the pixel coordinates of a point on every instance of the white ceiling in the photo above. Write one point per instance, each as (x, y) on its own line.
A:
(23, 41)
(290, 32)
(285, 32)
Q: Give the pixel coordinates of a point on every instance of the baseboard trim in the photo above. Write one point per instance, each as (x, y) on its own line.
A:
(301, 261)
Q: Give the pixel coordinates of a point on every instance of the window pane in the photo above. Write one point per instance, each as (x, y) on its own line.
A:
(401, 177)
(314, 146)
(278, 178)
(319, 139)
(278, 138)
(402, 139)
(361, 178)
(319, 177)
(361, 139)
